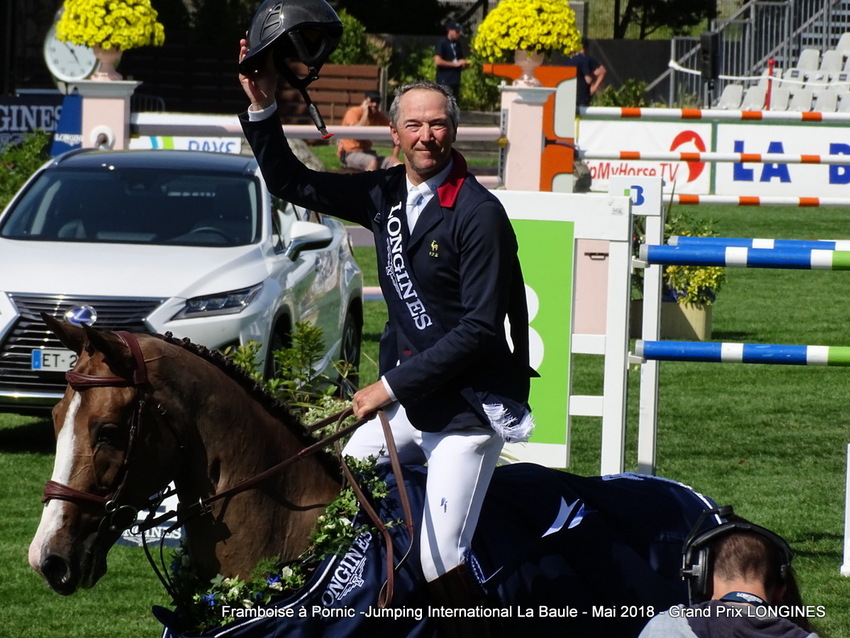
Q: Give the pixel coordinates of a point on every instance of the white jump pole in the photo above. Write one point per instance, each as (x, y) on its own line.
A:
(845, 567)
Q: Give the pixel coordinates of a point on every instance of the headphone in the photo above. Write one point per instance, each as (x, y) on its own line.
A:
(697, 559)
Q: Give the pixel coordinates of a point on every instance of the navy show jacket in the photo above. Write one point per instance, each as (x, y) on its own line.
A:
(463, 252)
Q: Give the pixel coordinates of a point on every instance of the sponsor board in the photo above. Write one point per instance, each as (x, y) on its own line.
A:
(797, 180)
(617, 135)
(721, 178)
(215, 144)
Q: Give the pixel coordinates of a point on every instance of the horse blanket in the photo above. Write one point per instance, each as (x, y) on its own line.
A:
(557, 554)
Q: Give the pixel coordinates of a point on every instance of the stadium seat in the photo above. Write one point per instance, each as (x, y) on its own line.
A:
(809, 60)
(826, 101)
(753, 99)
(779, 97)
(801, 100)
(730, 98)
(843, 46)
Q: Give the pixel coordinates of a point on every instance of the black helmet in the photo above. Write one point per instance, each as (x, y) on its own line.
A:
(305, 31)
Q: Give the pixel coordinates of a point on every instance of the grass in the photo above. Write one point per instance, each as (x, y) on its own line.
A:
(769, 440)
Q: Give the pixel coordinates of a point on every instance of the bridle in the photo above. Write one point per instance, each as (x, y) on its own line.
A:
(118, 516)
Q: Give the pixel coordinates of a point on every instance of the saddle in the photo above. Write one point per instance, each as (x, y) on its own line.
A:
(555, 553)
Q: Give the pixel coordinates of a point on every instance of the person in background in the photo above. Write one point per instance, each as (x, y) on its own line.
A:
(358, 154)
(450, 58)
(741, 584)
(590, 74)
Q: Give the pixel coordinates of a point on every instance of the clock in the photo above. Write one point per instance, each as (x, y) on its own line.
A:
(68, 62)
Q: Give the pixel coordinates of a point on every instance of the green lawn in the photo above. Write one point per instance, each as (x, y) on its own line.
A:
(770, 440)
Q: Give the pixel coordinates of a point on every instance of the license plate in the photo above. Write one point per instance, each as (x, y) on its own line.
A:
(53, 360)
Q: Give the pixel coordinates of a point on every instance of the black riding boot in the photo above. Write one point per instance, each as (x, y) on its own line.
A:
(459, 589)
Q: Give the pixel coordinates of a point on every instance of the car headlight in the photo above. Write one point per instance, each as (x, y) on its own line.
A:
(225, 303)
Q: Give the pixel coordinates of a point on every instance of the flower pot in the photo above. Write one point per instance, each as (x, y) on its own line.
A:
(527, 61)
(108, 59)
(689, 322)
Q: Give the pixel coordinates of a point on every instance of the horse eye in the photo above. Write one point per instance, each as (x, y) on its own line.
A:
(108, 434)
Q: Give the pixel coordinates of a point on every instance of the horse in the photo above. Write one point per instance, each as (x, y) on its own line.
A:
(142, 411)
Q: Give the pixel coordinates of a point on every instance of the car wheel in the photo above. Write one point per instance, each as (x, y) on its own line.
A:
(279, 338)
(350, 349)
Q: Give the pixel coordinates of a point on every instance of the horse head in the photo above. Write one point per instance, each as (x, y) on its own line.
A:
(141, 411)
(104, 434)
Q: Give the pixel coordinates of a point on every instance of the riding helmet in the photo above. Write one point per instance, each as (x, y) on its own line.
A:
(305, 31)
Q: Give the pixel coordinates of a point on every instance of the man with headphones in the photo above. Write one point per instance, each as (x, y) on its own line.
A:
(740, 583)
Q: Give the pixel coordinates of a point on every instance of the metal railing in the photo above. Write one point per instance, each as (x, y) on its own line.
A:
(758, 32)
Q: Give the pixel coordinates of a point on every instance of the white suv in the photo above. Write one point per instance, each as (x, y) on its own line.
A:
(165, 241)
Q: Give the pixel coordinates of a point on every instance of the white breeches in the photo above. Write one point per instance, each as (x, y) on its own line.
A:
(460, 465)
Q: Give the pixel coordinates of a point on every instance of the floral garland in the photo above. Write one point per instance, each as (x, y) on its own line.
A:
(119, 24)
(544, 26)
(201, 604)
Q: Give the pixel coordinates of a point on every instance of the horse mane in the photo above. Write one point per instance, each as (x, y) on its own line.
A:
(277, 408)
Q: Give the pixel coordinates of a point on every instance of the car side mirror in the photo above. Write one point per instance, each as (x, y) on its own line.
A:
(307, 236)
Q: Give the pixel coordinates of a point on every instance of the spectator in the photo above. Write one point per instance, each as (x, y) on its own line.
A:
(590, 74)
(450, 59)
(358, 154)
(739, 576)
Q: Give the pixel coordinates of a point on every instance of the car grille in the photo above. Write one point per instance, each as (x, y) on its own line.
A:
(29, 332)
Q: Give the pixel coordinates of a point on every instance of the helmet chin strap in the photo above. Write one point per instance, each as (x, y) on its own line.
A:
(301, 84)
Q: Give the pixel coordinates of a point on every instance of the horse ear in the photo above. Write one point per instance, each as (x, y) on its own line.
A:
(115, 351)
(72, 337)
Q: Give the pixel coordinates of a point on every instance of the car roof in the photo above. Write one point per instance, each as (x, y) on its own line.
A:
(159, 158)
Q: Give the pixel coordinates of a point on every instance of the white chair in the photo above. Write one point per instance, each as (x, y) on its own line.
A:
(843, 103)
(840, 82)
(826, 101)
(793, 79)
(809, 60)
(831, 64)
(777, 77)
(801, 100)
(730, 98)
(753, 99)
(779, 97)
(843, 46)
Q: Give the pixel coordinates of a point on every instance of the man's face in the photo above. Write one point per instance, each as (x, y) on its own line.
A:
(424, 133)
(453, 35)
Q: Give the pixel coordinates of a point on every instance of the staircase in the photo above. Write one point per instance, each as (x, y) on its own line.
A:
(758, 32)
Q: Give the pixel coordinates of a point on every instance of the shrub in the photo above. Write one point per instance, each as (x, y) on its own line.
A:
(19, 161)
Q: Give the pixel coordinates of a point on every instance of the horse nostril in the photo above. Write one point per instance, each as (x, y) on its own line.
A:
(59, 574)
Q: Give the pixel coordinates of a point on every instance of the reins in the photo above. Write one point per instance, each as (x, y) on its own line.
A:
(121, 517)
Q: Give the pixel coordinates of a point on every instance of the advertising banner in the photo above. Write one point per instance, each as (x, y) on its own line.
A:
(807, 178)
(546, 254)
(215, 144)
(799, 180)
(623, 135)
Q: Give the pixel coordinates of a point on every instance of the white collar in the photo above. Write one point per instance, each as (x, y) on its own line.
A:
(432, 183)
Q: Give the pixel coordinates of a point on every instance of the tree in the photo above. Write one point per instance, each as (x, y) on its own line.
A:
(411, 17)
(650, 15)
(222, 22)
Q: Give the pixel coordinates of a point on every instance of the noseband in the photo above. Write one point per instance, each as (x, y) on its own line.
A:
(118, 517)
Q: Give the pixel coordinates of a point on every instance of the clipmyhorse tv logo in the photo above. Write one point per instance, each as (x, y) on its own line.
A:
(685, 138)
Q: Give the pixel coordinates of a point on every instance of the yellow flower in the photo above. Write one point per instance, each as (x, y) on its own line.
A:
(545, 26)
(122, 24)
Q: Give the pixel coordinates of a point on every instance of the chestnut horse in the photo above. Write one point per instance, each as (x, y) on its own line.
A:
(141, 411)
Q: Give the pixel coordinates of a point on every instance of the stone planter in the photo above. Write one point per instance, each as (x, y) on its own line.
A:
(685, 321)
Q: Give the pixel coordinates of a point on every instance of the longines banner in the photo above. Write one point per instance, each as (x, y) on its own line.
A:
(21, 115)
(721, 178)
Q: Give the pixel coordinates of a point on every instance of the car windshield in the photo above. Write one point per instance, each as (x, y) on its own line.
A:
(137, 206)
